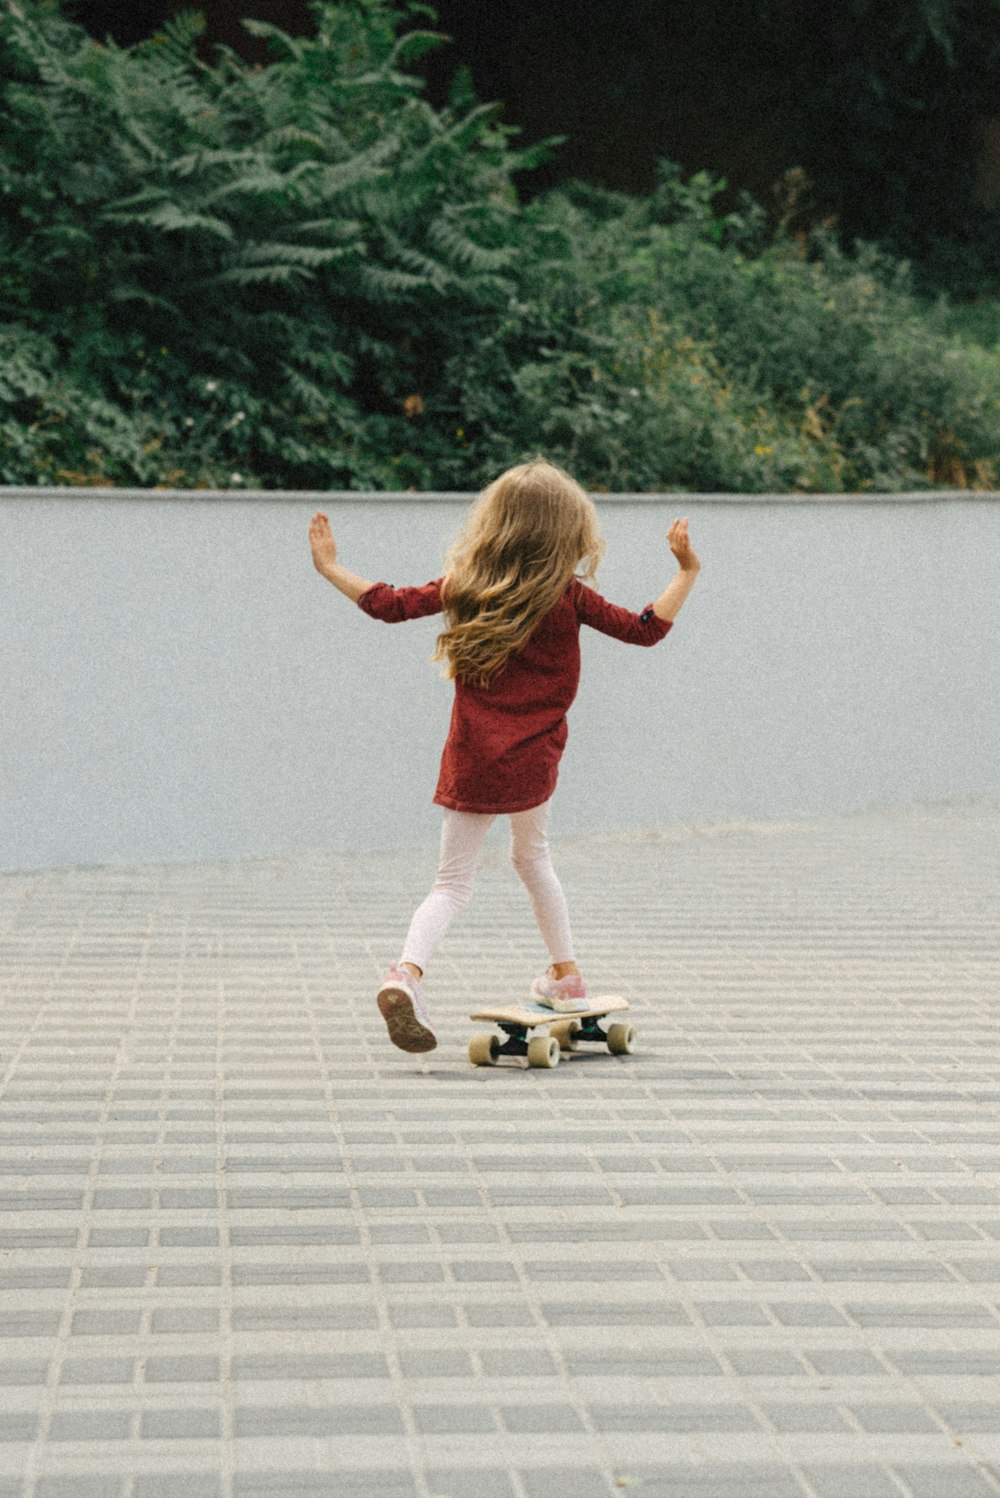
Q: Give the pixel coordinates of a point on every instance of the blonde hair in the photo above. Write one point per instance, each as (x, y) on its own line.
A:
(528, 534)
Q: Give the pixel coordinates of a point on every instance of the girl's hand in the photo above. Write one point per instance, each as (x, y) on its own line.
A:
(680, 545)
(670, 602)
(324, 547)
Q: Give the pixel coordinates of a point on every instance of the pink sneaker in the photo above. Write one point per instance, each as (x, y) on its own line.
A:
(565, 995)
(402, 1005)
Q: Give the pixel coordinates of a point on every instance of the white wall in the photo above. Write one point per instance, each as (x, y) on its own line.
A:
(181, 684)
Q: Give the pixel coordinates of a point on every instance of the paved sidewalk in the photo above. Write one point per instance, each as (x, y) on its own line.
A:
(247, 1248)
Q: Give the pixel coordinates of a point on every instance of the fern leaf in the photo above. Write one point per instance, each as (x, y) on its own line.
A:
(415, 44)
(447, 237)
(147, 299)
(269, 33)
(308, 255)
(326, 360)
(433, 271)
(171, 219)
(261, 183)
(469, 123)
(368, 165)
(386, 285)
(292, 135)
(175, 40)
(310, 395)
(335, 228)
(196, 161)
(260, 275)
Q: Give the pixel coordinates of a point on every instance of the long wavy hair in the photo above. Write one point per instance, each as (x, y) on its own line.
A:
(527, 535)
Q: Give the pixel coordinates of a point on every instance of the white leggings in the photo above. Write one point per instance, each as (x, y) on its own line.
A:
(462, 836)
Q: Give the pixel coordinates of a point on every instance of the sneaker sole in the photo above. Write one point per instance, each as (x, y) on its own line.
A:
(403, 1023)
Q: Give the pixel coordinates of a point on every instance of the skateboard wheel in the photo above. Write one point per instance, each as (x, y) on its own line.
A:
(543, 1051)
(621, 1039)
(566, 1032)
(483, 1049)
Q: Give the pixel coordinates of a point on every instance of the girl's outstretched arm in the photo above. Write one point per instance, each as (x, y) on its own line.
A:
(671, 601)
(324, 552)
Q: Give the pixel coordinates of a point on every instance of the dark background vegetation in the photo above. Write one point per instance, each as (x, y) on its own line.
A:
(301, 252)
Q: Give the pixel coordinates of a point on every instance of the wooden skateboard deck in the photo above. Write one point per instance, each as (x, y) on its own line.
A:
(565, 1032)
(530, 1015)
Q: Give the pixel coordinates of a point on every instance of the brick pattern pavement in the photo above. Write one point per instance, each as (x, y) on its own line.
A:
(247, 1248)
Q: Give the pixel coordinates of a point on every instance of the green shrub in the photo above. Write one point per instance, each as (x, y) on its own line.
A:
(674, 349)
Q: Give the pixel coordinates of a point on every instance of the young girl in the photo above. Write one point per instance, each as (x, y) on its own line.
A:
(514, 597)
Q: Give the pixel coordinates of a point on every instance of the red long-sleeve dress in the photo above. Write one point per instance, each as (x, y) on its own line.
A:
(506, 739)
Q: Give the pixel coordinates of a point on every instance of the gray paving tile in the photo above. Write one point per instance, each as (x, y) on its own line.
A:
(947, 1361)
(469, 1482)
(181, 1370)
(732, 1313)
(422, 1316)
(105, 1323)
(644, 1363)
(17, 1427)
(891, 1417)
(187, 1424)
(773, 1271)
(436, 1363)
(386, 1482)
(937, 1480)
(277, 1367)
(764, 1362)
(846, 1362)
(514, 1362)
(23, 1372)
(679, 1417)
(927, 1316)
(184, 1485)
(103, 1485)
(847, 1479)
(264, 1422)
(454, 1419)
(299, 1274)
(800, 1417)
(716, 1480)
(807, 1313)
(615, 1313)
(507, 1314)
(974, 1416)
(541, 1418)
(565, 1482)
(595, 1273)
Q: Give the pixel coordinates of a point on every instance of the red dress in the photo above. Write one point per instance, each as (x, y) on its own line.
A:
(506, 739)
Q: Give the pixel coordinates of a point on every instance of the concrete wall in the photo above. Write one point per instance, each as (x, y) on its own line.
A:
(181, 684)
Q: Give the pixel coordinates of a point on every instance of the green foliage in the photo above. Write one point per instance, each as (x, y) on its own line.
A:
(305, 276)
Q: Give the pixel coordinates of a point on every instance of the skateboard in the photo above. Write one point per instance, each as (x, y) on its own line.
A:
(562, 1032)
